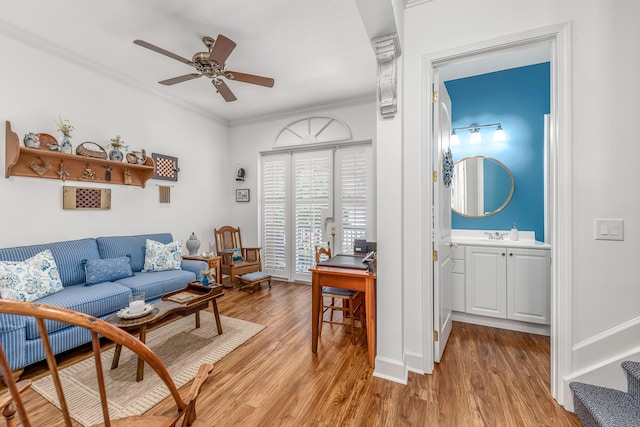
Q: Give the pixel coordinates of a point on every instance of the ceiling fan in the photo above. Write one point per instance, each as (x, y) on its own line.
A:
(211, 64)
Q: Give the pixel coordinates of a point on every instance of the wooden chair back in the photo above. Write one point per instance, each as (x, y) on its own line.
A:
(227, 237)
(41, 312)
(323, 253)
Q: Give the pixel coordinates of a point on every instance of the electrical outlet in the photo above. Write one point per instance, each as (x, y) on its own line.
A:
(609, 229)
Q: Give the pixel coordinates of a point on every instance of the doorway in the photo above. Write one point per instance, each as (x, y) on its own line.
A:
(554, 42)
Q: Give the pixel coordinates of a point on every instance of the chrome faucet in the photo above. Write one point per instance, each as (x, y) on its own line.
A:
(495, 235)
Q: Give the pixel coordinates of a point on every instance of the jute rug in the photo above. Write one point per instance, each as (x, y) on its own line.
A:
(180, 346)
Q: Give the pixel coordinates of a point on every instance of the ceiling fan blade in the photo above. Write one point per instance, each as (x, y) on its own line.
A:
(179, 79)
(224, 90)
(249, 78)
(221, 49)
(162, 51)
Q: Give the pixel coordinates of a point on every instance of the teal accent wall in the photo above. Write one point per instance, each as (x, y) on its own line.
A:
(518, 98)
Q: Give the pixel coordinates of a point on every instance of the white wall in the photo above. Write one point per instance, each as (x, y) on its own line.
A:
(605, 146)
(36, 87)
(247, 140)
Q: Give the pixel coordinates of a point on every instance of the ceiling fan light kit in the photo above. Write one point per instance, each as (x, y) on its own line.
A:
(211, 64)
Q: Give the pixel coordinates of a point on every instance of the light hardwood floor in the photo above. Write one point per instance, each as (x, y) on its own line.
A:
(488, 377)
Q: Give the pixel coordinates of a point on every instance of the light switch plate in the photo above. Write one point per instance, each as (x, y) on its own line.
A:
(609, 229)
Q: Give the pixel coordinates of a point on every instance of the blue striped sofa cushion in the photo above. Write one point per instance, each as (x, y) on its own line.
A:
(97, 300)
(154, 284)
(68, 256)
(117, 246)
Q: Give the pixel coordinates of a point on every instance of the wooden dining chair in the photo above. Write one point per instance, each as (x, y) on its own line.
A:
(351, 304)
(185, 413)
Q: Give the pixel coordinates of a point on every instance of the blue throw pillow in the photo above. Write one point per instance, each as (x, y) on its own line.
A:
(237, 255)
(107, 269)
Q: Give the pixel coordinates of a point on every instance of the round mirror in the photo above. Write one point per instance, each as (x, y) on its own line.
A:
(481, 186)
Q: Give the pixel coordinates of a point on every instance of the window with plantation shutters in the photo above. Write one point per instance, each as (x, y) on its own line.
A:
(353, 187)
(313, 198)
(274, 214)
(299, 190)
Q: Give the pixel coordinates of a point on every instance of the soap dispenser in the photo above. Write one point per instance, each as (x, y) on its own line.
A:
(513, 235)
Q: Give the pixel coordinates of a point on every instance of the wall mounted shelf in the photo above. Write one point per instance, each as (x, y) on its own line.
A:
(18, 158)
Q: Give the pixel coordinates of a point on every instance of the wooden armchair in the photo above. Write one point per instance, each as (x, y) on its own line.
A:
(185, 413)
(236, 259)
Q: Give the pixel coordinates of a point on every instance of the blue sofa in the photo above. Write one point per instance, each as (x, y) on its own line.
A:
(19, 335)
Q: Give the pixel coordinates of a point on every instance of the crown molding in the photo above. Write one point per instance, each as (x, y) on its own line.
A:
(27, 38)
(411, 3)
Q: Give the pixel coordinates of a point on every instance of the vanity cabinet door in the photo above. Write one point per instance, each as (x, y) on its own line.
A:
(485, 277)
(528, 285)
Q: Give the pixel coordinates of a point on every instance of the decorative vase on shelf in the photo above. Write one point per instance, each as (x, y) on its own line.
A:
(205, 280)
(65, 145)
(116, 155)
(193, 244)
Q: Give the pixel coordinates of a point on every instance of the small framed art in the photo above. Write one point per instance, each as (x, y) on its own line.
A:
(242, 195)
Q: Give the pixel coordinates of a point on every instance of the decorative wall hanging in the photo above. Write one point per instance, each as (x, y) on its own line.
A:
(447, 167)
(86, 198)
(166, 167)
(242, 195)
(62, 172)
(165, 193)
(39, 166)
(88, 174)
(313, 130)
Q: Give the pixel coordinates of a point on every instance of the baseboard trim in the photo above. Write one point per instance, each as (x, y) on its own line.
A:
(494, 322)
(391, 369)
(414, 362)
(594, 351)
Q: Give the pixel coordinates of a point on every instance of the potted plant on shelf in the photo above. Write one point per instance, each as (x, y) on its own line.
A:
(65, 128)
(116, 146)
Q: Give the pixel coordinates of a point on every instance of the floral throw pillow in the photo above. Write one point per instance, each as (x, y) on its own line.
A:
(31, 279)
(161, 257)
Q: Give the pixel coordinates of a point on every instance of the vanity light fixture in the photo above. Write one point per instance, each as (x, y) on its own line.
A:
(499, 135)
(476, 138)
(454, 138)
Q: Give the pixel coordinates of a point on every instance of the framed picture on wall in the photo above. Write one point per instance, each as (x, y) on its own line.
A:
(242, 195)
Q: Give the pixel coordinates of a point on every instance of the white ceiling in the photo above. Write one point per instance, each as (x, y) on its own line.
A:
(317, 51)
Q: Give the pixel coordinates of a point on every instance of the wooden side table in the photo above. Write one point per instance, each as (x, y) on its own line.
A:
(213, 262)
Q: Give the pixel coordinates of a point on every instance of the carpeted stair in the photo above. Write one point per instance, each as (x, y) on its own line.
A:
(602, 406)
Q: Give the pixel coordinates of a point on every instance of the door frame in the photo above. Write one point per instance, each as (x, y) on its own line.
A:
(560, 186)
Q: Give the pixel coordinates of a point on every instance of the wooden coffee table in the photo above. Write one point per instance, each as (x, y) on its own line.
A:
(183, 302)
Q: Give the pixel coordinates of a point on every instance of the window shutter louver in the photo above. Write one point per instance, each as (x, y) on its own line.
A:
(274, 214)
(353, 184)
(312, 184)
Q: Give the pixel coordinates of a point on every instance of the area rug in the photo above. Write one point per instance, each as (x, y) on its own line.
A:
(180, 346)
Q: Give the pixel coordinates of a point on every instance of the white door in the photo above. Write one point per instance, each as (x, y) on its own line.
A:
(442, 274)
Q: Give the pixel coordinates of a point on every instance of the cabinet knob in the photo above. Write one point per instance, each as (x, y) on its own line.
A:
(511, 254)
(503, 254)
